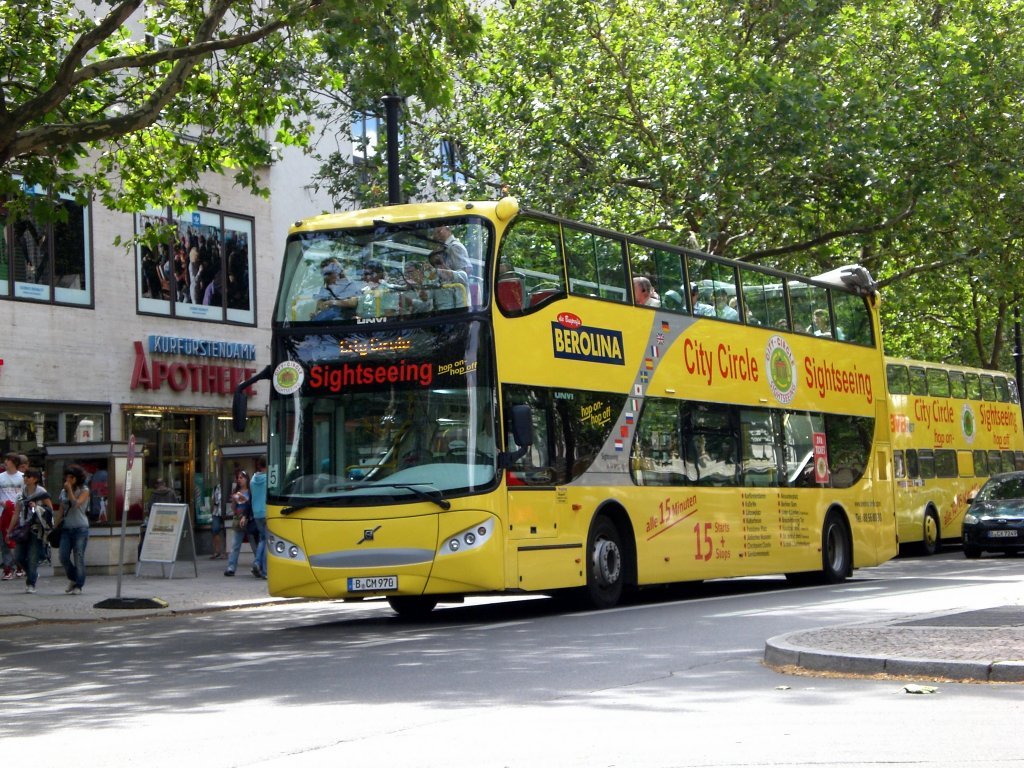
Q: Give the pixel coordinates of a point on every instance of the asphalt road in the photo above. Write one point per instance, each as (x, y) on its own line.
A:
(673, 679)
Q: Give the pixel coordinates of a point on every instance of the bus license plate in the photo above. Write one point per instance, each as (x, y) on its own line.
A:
(1002, 534)
(373, 583)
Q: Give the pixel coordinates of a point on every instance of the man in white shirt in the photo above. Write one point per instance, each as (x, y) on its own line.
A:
(11, 484)
(455, 254)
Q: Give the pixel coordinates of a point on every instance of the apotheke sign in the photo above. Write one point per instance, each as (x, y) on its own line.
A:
(197, 376)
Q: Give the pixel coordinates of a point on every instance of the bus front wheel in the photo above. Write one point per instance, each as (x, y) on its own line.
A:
(605, 568)
(836, 549)
(412, 607)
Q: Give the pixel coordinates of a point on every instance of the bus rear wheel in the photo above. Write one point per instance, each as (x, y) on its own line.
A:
(413, 606)
(605, 568)
(836, 549)
(932, 534)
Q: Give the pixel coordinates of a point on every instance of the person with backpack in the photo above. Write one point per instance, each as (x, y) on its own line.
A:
(35, 512)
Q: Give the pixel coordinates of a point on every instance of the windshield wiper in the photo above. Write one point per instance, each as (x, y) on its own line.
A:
(321, 501)
(432, 495)
(427, 496)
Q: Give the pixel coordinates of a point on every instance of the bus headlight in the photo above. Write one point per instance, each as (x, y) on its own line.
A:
(469, 539)
(284, 549)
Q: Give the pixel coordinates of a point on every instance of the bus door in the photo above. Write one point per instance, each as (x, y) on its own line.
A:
(538, 508)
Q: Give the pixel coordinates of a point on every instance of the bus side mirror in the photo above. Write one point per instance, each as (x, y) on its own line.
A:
(239, 403)
(522, 433)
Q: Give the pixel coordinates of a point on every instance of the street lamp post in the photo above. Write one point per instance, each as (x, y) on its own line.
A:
(392, 103)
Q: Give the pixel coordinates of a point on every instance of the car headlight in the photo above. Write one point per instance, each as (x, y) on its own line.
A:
(970, 519)
(284, 549)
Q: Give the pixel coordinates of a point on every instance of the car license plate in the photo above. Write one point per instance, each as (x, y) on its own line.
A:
(1002, 534)
(373, 584)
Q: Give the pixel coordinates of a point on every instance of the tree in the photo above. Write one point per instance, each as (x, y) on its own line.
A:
(798, 135)
(133, 102)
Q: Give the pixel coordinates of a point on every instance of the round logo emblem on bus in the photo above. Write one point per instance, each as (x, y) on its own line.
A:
(781, 367)
(288, 377)
(968, 424)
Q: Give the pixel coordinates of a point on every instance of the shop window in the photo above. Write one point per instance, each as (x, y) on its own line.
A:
(48, 260)
(196, 266)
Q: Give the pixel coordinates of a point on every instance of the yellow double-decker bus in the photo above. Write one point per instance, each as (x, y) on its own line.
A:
(474, 398)
(952, 427)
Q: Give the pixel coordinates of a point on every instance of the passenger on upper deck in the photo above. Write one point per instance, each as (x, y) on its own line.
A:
(452, 284)
(417, 296)
(699, 308)
(644, 294)
(820, 325)
(455, 254)
(722, 308)
(379, 299)
(338, 299)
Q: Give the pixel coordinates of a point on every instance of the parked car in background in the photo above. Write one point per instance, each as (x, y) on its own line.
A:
(995, 519)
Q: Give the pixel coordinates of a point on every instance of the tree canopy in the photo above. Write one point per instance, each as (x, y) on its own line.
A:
(133, 102)
(797, 134)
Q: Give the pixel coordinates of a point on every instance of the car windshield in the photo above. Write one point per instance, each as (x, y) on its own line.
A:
(1002, 488)
(392, 416)
(390, 272)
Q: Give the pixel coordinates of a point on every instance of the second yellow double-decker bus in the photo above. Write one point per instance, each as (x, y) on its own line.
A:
(951, 428)
(473, 398)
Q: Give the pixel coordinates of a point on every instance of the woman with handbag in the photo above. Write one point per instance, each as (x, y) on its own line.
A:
(244, 524)
(34, 519)
(74, 521)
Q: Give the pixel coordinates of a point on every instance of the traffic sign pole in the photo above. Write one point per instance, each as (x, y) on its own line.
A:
(118, 601)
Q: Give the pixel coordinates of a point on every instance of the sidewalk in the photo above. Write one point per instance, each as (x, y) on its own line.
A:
(183, 593)
(981, 645)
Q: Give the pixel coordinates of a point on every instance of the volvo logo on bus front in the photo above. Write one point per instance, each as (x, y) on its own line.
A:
(368, 535)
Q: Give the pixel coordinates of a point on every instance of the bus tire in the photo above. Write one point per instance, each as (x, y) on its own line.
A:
(412, 606)
(931, 541)
(606, 570)
(836, 549)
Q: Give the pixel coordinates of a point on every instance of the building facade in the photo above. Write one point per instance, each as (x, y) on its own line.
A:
(105, 343)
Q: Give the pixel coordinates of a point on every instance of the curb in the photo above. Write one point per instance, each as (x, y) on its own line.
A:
(780, 652)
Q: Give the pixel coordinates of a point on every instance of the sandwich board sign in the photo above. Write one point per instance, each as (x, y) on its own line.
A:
(166, 525)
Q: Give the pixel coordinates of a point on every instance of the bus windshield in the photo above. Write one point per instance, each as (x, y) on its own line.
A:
(394, 270)
(390, 416)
